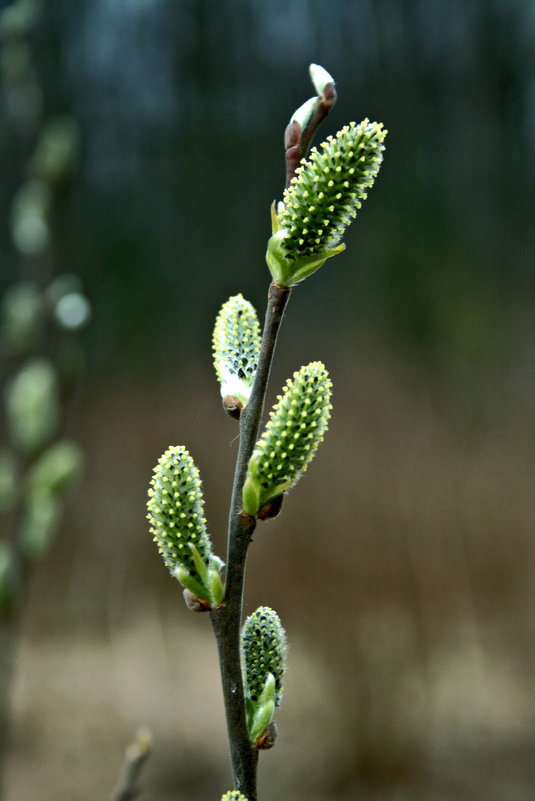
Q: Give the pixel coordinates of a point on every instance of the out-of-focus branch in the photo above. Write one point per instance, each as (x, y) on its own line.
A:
(135, 757)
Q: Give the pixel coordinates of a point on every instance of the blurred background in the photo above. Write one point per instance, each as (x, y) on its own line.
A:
(141, 147)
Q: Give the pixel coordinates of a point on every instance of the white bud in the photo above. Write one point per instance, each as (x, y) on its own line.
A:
(303, 114)
(319, 77)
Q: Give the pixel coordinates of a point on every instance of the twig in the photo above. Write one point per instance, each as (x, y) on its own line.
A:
(135, 757)
(226, 620)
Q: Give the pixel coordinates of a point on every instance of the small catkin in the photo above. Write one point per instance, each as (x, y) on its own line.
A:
(263, 648)
(236, 346)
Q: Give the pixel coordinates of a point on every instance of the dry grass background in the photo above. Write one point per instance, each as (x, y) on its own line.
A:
(403, 570)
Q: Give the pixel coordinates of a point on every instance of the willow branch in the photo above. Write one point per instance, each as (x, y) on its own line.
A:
(226, 620)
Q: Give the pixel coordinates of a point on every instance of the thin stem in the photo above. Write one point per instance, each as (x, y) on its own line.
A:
(226, 620)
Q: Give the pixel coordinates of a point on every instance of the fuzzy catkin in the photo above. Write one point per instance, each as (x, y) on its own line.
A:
(263, 648)
(296, 427)
(175, 510)
(329, 187)
(236, 346)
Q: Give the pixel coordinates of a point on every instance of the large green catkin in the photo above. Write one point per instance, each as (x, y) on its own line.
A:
(296, 427)
(236, 346)
(322, 200)
(329, 188)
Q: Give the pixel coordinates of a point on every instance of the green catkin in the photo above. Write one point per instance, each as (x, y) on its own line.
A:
(329, 187)
(322, 200)
(296, 427)
(236, 346)
(233, 795)
(263, 650)
(178, 525)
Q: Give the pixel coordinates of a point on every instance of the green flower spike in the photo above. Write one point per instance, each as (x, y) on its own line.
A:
(233, 795)
(236, 345)
(295, 429)
(178, 525)
(321, 201)
(263, 653)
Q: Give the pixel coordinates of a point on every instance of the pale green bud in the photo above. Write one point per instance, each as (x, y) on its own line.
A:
(178, 525)
(322, 200)
(297, 424)
(319, 77)
(233, 795)
(263, 654)
(303, 114)
(236, 346)
(32, 405)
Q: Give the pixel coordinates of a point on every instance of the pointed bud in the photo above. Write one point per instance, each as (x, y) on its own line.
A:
(263, 653)
(319, 77)
(303, 114)
(178, 525)
(295, 429)
(323, 199)
(236, 345)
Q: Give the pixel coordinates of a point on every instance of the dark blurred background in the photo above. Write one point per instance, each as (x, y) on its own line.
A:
(403, 565)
